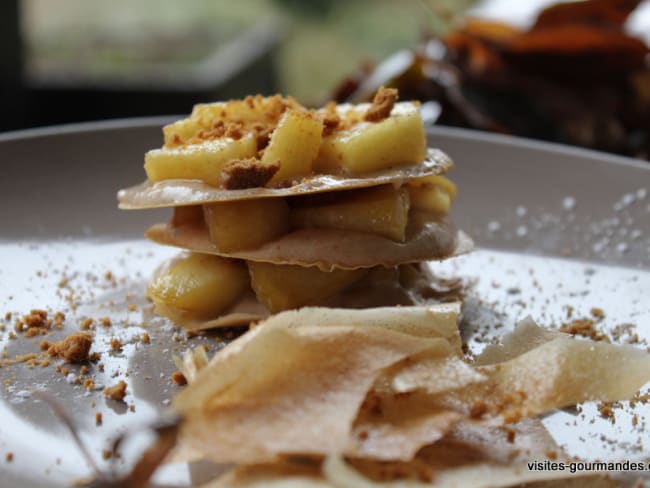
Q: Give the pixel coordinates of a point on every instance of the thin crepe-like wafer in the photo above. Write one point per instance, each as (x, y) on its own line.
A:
(174, 193)
(330, 248)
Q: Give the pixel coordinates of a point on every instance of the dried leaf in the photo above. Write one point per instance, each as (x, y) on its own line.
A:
(604, 13)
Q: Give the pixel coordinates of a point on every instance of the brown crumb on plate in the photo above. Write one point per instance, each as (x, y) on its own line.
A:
(116, 392)
(86, 324)
(74, 348)
(606, 410)
(585, 328)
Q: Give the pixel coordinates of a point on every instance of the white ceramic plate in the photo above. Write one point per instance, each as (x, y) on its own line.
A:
(555, 227)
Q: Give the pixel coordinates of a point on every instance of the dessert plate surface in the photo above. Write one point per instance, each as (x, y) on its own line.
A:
(558, 231)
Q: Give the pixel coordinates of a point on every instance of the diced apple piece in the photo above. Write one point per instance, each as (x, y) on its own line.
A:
(372, 146)
(180, 132)
(197, 161)
(283, 287)
(441, 181)
(200, 283)
(432, 193)
(251, 109)
(295, 144)
(380, 210)
(246, 224)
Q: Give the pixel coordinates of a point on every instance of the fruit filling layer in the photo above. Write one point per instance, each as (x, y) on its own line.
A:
(276, 142)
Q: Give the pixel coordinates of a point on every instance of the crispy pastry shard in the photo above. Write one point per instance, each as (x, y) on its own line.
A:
(469, 455)
(526, 336)
(355, 389)
(557, 373)
(311, 393)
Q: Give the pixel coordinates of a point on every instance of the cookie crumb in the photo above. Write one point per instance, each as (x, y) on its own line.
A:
(248, 173)
(116, 392)
(116, 344)
(606, 410)
(98, 419)
(585, 328)
(179, 378)
(382, 105)
(597, 313)
(86, 324)
(74, 348)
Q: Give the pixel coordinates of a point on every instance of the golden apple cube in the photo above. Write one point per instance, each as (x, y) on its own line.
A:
(204, 115)
(295, 144)
(432, 193)
(200, 283)
(180, 131)
(283, 287)
(197, 161)
(372, 146)
(245, 224)
(251, 109)
(381, 210)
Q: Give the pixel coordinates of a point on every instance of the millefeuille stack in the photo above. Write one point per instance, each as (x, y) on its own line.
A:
(278, 207)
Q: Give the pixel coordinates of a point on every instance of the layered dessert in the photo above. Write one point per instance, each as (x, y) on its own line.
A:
(277, 207)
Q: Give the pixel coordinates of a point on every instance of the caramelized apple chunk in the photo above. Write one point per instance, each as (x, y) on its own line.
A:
(294, 144)
(433, 193)
(200, 283)
(197, 161)
(381, 210)
(362, 146)
(283, 287)
(215, 120)
(245, 224)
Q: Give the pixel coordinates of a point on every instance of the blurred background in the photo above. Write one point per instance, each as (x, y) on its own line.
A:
(576, 75)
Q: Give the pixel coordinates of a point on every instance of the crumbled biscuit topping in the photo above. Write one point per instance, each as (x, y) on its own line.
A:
(248, 173)
(382, 105)
(74, 348)
(116, 392)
